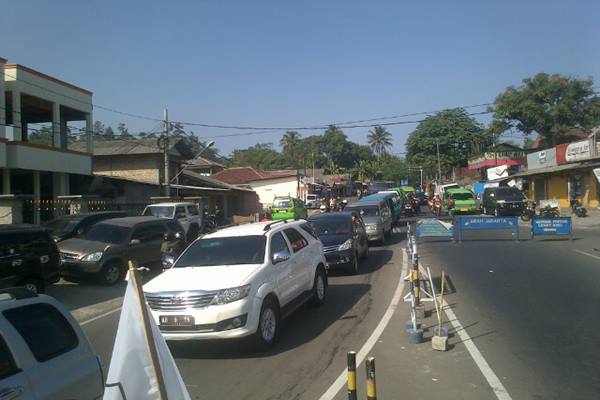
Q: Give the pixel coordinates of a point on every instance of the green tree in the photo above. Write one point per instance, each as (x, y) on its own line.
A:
(291, 142)
(380, 140)
(458, 135)
(109, 134)
(123, 131)
(261, 156)
(393, 168)
(548, 105)
(43, 135)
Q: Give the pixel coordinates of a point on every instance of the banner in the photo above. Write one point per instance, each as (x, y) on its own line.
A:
(572, 152)
(541, 159)
(497, 172)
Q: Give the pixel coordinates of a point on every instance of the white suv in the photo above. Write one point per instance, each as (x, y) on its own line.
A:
(44, 354)
(239, 281)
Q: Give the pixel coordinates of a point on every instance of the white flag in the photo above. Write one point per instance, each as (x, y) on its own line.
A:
(130, 375)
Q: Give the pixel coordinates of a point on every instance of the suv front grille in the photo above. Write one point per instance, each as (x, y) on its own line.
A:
(330, 249)
(173, 301)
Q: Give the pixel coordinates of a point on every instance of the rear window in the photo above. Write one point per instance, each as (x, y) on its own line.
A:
(462, 196)
(218, 251)
(368, 211)
(282, 203)
(160, 211)
(45, 330)
(509, 193)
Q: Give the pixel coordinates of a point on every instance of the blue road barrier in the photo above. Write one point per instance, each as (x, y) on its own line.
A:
(551, 226)
(481, 223)
(431, 227)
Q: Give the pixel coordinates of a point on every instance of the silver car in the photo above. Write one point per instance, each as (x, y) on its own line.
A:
(377, 216)
(44, 352)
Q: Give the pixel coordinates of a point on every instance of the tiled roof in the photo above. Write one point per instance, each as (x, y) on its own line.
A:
(239, 175)
(133, 146)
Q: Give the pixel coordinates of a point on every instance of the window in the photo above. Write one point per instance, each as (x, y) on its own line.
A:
(278, 244)
(282, 203)
(159, 211)
(309, 229)
(192, 210)
(47, 333)
(296, 239)
(218, 251)
(180, 212)
(149, 232)
(7, 363)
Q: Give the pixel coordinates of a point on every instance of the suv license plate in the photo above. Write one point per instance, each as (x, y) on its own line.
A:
(176, 320)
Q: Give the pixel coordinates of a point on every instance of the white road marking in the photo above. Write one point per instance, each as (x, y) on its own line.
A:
(366, 348)
(587, 254)
(97, 317)
(484, 367)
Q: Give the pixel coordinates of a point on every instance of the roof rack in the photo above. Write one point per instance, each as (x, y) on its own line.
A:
(16, 293)
(270, 224)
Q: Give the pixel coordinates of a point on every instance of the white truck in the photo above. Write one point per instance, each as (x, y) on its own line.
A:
(187, 214)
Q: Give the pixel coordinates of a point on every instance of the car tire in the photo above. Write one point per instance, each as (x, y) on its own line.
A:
(192, 233)
(33, 284)
(111, 273)
(268, 324)
(320, 287)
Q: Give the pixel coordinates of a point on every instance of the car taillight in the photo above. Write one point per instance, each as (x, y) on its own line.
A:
(292, 210)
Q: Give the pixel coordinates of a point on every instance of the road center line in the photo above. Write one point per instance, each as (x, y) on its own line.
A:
(366, 348)
(97, 317)
(587, 254)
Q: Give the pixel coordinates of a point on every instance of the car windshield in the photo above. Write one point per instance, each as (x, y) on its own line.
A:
(218, 251)
(324, 227)
(61, 226)
(160, 211)
(282, 203)
(368, 211)
(462, 196)
(108, 233)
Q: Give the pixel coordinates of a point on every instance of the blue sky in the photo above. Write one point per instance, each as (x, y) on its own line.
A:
(303, 63)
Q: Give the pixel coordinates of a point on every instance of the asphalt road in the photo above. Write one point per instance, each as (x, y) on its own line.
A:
(311, 350)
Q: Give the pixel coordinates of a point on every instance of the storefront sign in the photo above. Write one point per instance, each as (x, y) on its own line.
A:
(571, 152)
(431, 227)
(493, 159)
(478, 223)
(497, 172)
(551, 226)
(541, 159)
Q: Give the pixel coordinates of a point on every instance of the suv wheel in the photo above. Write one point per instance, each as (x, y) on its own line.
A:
(320, 286)
(268, 323)
(33, 284)
(111, 273)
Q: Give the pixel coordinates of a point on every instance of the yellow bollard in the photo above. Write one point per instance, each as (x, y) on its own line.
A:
(371, 385)
(351, 375)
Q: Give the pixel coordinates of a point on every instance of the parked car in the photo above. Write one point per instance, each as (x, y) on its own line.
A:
(69, 226)
(239, 281)
(28, 257)
(286, 207)
(377, 217)
(503, 200)
(44, 352)
(103, 252)
(460, 201)
(187, 214)
(344, 239)
(313, 201)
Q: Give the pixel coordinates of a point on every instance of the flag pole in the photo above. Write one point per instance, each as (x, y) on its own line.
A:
(134, 275)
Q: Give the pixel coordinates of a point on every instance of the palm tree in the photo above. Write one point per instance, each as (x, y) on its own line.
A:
(290, 143)
(379, 139)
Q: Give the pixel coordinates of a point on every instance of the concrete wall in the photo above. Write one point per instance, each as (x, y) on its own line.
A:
(28, 156)
(144, 168)
(269, 188)
(558, 188)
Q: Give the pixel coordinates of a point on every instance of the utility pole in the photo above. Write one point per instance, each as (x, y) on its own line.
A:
(167, 181)
(437, 144)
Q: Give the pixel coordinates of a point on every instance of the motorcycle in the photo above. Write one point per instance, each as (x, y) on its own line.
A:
(549, 211)
(578, 209)
(408, 210)
(528, 212)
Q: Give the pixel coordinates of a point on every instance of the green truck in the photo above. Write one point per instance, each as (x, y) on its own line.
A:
(463, 199)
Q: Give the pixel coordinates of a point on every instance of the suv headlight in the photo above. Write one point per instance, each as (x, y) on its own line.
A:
(347, 245)
(93, 257)
(225, 296)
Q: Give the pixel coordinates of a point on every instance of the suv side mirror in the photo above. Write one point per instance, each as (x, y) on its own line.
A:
(80, 231)
(134, 242)
(167, 261)
(281, 256)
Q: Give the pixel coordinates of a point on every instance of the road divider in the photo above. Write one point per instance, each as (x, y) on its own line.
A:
(351, 375)
(465, 223)
(551, 226)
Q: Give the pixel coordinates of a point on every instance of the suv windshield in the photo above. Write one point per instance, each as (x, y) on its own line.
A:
(324, 227)
(282, 203)
(369, 211)
(217, 251)
(108, 233)
(62, 225)
(160, 211)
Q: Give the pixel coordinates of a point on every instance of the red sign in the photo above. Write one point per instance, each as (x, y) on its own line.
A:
(572, 152)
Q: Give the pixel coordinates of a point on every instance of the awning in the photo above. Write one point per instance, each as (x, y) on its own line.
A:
(550, 170)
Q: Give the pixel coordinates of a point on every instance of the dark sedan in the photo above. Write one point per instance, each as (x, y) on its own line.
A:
(69, 226)
(344, 239)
